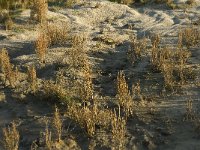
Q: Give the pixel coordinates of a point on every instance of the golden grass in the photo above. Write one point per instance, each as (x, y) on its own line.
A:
(39, 9)
(123, 94)
(41, 45)
(11, 137)
(57, 33)
(10, 74)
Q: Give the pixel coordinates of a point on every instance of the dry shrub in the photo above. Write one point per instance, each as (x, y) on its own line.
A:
(39, 9)
(57, 123)
(79, 41)
(10, 74)
(86, 90)
(88, 118)
(11, 137)
(32, 78)
(57, 33)
(77, 55)
(171, 62)
(56, 92)
(118, 129)
(85, 117)
(123, 94)
(41, 45)
(190, 36)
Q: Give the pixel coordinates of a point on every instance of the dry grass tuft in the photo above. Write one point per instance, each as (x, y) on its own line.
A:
(32, 78)
(57, 123)
(86, 90)
(190, 36)
(88, 117)
(57, 33)
(41, 45)
(118, 128)
(11, 137)
(123, 94)
(56, 92)
(10, 74)
(39, 9)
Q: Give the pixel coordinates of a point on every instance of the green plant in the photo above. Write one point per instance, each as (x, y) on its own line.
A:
(11, 137)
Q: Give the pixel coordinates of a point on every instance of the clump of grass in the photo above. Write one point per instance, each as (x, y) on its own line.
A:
(86, 90)
(123, 94)
(118, 129)
(56, 92)
(57, 33)
(10, 74)
(11, 137)
(39, 9)
(85, 117)
(41, 45)
(171, 62)
(190, 36)
(32, 78)
(89, 117)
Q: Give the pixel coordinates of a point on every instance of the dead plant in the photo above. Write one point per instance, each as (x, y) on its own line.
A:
(41, 45)
(123, 94)
(11, 137)
(191, 36)
(39, 9)
(10, 74)
(57, 33)
(86, 90)
(32, 78)
(118, 129)
(57, 123)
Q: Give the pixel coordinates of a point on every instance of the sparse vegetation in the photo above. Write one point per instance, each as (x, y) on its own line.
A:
(96, 85)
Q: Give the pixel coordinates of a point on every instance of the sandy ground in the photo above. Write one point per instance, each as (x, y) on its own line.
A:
(164, 129)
